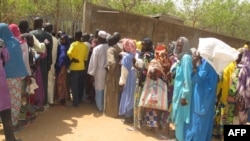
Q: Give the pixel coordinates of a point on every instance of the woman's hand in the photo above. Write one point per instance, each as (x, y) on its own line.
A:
(152, 74)
(184, 102)
(196, 60)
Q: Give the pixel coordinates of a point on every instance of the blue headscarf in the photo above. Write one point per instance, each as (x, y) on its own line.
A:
(67, 45)
(62, 57)
(66, 37)
(15, 67)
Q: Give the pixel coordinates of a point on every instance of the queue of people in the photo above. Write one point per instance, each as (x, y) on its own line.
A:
(149, 85)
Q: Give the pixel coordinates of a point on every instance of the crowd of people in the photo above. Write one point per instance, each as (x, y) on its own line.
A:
(149, 85)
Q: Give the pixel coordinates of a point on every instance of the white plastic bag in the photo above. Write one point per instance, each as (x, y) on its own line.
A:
(32, 87)
(217, 53)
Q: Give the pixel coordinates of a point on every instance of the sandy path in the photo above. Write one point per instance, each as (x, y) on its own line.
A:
(66, 123)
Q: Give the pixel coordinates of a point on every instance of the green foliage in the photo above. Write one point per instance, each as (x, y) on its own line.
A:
(150, 8)
(229, 17)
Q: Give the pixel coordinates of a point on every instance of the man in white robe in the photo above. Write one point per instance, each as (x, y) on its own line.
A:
(97, 68)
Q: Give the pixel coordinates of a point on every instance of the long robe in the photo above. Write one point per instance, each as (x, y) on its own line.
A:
(112, 91)
(40, 91)
(15, 70)
(203, 103)
(223, 90)
(5, 94)
(46, 62)
(230, 109)
(127, 97)
(97, 65)
(61, 66)
(138, 111)
(51, 75)
(244, 93)
(97, 69)
(182, 89)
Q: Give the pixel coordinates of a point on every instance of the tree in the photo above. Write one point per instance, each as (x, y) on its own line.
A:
(124, 5)
(228, 17)
(7, 14)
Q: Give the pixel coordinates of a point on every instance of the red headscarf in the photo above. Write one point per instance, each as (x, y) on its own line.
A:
(161, 62)
(159, 50)
(16, 32)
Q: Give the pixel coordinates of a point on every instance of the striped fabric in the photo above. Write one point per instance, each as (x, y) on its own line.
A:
(154, 95)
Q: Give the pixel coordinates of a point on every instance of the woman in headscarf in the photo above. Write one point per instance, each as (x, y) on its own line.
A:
(154, 97)
(231, 109)
(5, 101)
(204, 81)
(226, 96)
(145, 56)
(127, 80)
(61, 66)
(182, 87)
(25, 52)
(243, 88)
(15, 71)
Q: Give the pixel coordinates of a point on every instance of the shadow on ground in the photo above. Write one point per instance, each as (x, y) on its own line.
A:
(84, 123)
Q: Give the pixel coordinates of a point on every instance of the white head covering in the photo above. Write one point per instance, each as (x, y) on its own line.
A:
(186, 45)
(103, 34)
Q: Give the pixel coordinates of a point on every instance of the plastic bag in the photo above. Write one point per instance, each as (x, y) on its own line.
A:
(217, 53)
(154, 95)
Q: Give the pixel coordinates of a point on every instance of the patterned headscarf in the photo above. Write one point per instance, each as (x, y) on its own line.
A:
(246, 58)
(16, 32)
(243, 86)
(129, 45)
(161, 62)
(159, 50)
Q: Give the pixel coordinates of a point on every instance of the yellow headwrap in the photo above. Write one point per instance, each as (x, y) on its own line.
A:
(139, 45)
(246, 46)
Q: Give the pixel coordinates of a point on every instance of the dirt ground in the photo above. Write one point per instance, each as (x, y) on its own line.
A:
(84, 123)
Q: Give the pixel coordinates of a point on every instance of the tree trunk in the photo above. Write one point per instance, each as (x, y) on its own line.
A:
(57, 15)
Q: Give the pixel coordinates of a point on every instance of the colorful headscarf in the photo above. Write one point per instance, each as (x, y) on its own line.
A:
(244, 75)
(129, 45)
(243, 87)
(161, 62)
(160, 48)
(16, 32)
(246, 58)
